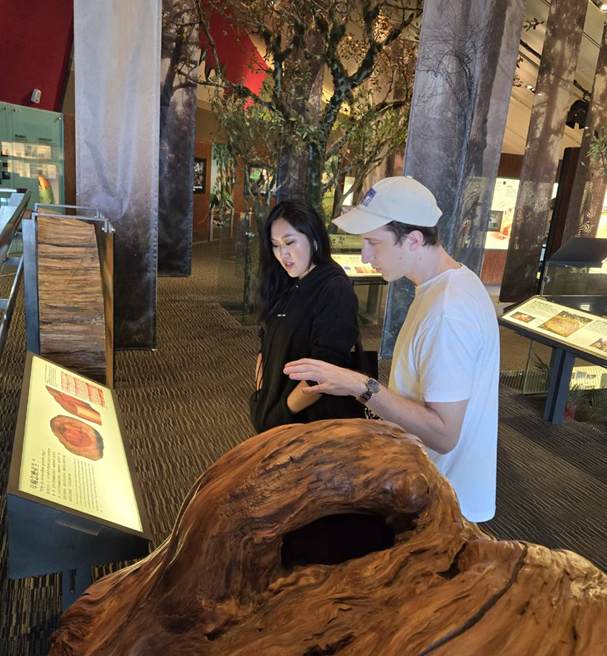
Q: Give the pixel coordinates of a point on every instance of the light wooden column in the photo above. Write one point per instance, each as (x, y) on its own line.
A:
(588, 193)
(463, 79)
(552, 99)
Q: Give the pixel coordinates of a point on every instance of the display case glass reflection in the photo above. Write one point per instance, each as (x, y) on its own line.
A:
(31, 152)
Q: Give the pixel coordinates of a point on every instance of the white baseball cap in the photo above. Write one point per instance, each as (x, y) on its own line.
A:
(400, 198)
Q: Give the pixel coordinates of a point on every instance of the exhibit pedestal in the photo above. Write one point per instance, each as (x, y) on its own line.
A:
(570, 334)
(73, 583)
(73, 500)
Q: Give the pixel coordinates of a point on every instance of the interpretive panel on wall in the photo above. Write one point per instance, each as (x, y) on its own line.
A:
(502, 213)
(353, 265)
(346, 242)
(570, 327)
(72, 450)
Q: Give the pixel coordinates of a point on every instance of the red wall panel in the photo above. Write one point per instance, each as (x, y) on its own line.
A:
(237, 54)
(36, 39)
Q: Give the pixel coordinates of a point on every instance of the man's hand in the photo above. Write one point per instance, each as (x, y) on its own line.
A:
(331, 379)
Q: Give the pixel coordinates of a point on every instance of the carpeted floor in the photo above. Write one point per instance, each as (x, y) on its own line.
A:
(185, 404)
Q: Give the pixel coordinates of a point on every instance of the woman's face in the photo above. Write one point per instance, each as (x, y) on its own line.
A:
(291, 248)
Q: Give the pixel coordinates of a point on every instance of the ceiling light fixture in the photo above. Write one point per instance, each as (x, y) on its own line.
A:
(604, 6)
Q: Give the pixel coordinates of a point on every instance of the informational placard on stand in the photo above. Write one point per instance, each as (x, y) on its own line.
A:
(73, 451)
(353, 265)
(73, 497)
(572, 328)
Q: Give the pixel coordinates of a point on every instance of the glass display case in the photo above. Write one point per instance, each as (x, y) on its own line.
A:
(238, 261)
(567, 326)
(367, 282)
(576, 275)
(32, 152)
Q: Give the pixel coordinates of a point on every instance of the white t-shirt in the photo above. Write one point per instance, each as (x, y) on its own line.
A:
(448, 350)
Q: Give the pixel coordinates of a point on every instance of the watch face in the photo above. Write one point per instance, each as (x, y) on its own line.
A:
(372, 386)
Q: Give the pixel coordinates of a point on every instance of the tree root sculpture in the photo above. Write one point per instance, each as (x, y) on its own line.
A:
(337, 537)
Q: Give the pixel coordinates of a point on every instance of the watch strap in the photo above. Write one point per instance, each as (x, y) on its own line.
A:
(369, 392)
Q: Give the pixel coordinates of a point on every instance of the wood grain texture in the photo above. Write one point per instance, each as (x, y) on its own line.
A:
(71, 308)
(222, 585)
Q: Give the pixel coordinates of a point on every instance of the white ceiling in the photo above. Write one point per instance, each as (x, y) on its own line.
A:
(521, 101)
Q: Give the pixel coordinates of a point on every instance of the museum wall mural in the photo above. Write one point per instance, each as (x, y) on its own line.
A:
(178, 86)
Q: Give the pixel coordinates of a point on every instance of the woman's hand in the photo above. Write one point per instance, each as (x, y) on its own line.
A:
(299, 399)
(258, 372)
(331, 379)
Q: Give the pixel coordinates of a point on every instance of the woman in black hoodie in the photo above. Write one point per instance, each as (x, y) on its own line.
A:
(308, 309)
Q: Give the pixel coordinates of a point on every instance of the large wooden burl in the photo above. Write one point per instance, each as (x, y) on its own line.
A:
(337, 537)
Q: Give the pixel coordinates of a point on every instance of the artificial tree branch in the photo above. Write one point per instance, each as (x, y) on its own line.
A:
(372, 114)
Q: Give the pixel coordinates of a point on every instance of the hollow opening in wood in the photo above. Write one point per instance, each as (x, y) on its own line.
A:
(336, 538)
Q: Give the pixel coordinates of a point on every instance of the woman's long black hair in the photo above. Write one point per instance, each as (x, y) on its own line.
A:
(273, 280)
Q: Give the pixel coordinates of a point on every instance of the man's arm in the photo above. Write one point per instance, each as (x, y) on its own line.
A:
(438, 425)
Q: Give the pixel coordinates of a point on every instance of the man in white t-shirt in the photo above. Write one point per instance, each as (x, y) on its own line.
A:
(445, 368)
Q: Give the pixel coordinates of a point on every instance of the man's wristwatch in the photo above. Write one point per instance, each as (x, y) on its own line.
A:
(372, 388)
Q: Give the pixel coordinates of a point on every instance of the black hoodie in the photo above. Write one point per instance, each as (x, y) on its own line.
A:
(316, 317)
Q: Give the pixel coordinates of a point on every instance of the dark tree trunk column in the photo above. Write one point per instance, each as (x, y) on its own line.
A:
(588, 191)
(552, 98)
(294, 168)
(466, 61)
(407, 52)
(177, 136)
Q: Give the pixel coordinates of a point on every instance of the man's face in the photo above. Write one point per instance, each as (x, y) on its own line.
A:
(392, 260)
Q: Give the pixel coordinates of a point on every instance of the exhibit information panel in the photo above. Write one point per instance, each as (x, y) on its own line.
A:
(575, 328)
(346, 242)
(353, 265)
(73, 454)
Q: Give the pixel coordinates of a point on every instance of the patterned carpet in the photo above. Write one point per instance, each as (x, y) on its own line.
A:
(185, 404)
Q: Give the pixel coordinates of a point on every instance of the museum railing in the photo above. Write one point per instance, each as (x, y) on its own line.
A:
(13, 205)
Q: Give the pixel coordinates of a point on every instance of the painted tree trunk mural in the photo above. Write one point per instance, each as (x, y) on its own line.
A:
(177, 128)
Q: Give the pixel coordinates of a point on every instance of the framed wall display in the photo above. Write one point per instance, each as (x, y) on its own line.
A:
(501, 214)
(495, 220)
(200, 175)
(73, 497)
